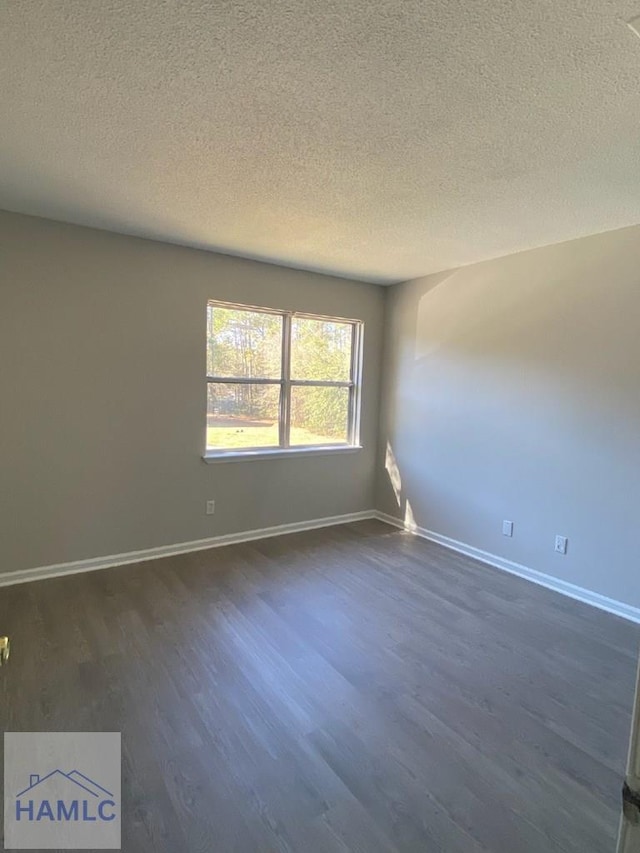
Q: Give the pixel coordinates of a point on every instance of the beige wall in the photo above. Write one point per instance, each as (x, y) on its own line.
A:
(102, 396)
(512, 391)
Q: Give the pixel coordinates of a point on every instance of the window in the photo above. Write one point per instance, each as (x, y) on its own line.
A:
(280, 381)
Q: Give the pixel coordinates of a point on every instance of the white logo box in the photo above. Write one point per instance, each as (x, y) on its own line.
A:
(62, 790)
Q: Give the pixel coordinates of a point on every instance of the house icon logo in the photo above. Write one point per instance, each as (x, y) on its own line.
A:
(84, 799)
(62, 791)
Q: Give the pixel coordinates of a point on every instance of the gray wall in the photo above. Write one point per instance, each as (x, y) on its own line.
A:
(512, 391)
(102, 396)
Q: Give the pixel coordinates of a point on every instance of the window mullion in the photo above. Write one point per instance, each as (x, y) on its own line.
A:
(285, 393)
(243, 380)
(356, 379)
(351, 427)
(321, 383)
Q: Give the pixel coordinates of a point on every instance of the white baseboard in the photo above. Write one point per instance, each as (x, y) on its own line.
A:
(618, 608)
(626, 611)
(108, 562)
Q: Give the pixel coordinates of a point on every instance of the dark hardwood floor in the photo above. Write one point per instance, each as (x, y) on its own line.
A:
(346, 689)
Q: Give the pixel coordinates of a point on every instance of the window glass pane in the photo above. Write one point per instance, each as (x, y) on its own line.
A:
(320, 349)
(241, 415)
(319, 415)
(246, 344)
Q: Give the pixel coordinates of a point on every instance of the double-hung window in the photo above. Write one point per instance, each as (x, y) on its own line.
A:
(280, 381)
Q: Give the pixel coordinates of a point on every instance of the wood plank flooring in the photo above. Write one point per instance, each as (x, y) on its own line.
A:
(346, 689)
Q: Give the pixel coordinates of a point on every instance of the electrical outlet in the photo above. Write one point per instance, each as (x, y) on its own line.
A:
(561, 544)
(507, 528)
(211, 507)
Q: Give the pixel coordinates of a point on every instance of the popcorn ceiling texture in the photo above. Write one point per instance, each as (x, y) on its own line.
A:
(377, 139)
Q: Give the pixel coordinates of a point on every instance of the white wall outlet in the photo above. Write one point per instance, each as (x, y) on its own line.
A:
(561, 544)
(211, 507)
(507, 528)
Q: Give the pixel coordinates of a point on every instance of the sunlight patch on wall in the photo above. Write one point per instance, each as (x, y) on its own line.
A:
(394, 473)
(409, 520)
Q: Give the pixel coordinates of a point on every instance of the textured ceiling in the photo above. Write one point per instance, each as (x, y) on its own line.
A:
(379, 140)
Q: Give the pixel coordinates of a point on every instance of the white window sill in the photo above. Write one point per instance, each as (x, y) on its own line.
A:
(278, 453)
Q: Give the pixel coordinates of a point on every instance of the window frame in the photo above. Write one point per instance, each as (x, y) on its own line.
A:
(286, 383)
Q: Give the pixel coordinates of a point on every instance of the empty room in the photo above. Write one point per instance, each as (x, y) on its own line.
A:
(319, 426)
